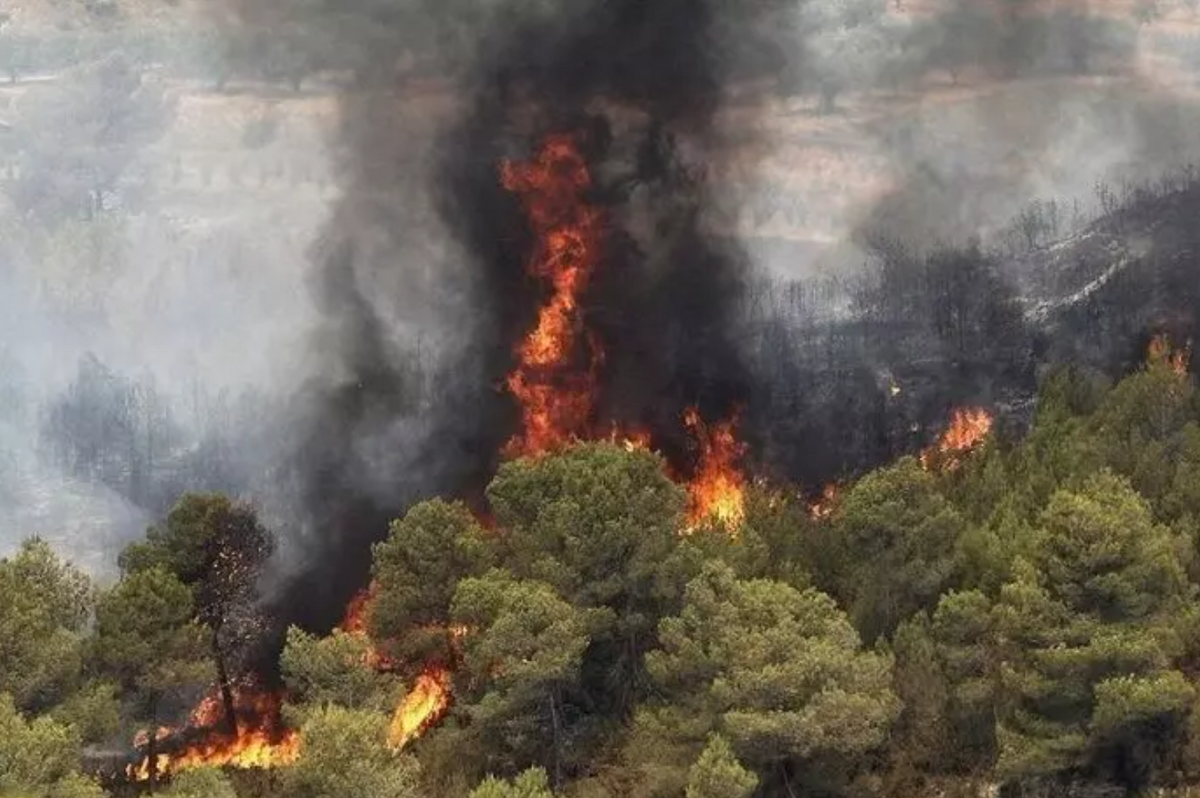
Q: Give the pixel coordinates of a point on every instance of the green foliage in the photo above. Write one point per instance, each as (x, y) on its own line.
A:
(963, 632)
(902, 532)
(778, 541)
(147, 639)
(1033, 612)
(1132, 701)
(779, 672)
(524, 648)
(1102, 554)
(75, 785)
(44, 604)
(597, 523)
(533, 783)
(200, 783)
(210, 544)
(334, 670)
(94, 711)
(923, 740)
(718, 774)
(1141, 425)
(416, 572)
(34, 754)
(344, 754)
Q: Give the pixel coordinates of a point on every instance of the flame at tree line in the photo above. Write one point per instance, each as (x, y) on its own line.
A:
(718, 487)
(1162, 351)
(555, 383)
(428, 699)
(259, 739)
(968, 428)
(556, 378)
(556, 397)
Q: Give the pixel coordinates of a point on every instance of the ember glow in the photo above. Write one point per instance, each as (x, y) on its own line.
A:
(968, 428)
(426, 703)
(717, 489)
(555, 378)
(1178, 359)
(355, 619)
(429, 699)
(823, 507)
(355, 623)
(259, 739)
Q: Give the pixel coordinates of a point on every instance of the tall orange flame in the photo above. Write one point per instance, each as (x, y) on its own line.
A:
(423, 707)
(968, 428)
(717, 489)
(555, 394)
(259, 740)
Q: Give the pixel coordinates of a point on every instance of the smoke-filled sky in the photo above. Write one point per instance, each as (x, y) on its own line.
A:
(310, 298)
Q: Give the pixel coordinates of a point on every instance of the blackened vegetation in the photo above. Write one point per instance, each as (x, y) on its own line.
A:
(841, 390)
(1129, 276)
(830, 380)
(112, 430)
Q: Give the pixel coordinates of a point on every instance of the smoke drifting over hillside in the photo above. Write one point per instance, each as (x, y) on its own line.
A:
(337, 386)
(628, 80)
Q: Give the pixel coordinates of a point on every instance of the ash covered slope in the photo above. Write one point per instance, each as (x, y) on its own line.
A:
(851, 374)
(1098, 296)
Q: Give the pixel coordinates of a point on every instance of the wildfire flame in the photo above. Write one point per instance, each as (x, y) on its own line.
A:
(823, 507)
(717, 490)
(429, 699)
(968, 428)
(355, 623)
(555, 394)
(259, 741)
(355, 619)
(555, 381)
(424, 706)
(1177, 359)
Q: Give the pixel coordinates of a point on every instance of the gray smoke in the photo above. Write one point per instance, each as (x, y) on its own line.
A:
(284, 296)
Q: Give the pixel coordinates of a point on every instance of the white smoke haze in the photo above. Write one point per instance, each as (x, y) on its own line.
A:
(195, 249)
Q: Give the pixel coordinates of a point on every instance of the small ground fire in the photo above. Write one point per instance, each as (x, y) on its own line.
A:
(1178, 359)
(259, 740)
(968, 428)
(718, 488)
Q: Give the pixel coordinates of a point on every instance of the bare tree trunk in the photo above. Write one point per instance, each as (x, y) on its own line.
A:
(226, 688)
(152, 750)
(554, 722)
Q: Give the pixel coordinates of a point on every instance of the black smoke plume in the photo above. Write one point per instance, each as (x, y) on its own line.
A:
(637, 84)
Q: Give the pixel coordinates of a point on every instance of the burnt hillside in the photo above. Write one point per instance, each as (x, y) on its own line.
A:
(856, 371)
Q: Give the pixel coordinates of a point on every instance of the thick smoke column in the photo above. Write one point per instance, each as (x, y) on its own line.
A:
(629, 80)
(636, 84)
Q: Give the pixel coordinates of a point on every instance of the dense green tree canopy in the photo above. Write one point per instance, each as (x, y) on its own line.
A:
(34, 755)
(147, 638)
(416, 572)
(335, 670)
(44, 606)
(344, 754)
(903, 533)
(778, 672)
(1028, 618)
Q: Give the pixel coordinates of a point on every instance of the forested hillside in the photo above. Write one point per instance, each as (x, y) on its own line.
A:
(1020, 615)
